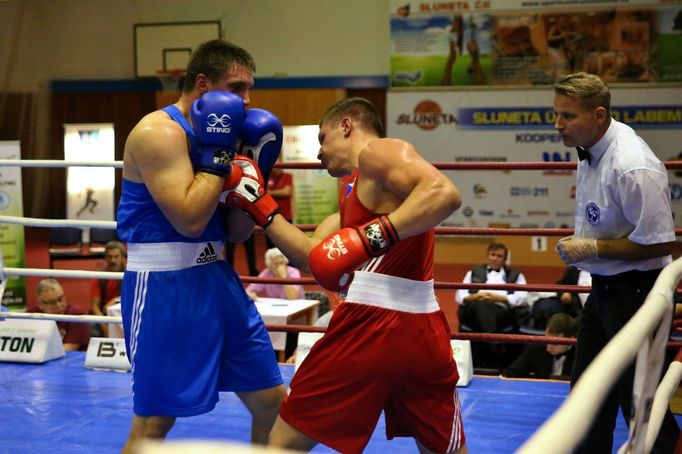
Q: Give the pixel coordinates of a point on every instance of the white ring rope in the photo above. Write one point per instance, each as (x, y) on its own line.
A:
(56, 163)
(63, 273)
(662, 398)
(41, 222)
(586, 397)
(61, 317)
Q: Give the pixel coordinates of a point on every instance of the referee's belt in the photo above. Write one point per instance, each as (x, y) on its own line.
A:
(631, 278)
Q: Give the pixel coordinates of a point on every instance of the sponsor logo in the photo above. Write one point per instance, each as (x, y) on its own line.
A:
(529, 225)
(376, 239)
(510, 215)
(335, 247)
(532, 137)
(527, 191)
(410, 77)
(565, 214)
(223, 158)
(5, 200)
(486, 213)
(427, 115)
(468, 211)
(403, 11)
(538, 213)
(479, 191)
(208, 255)
(556, 156)
(222, 124)
(592, 213)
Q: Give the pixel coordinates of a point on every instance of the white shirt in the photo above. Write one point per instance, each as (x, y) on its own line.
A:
(496, 277)
(623, 192)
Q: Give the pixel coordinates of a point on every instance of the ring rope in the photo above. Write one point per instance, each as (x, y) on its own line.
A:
(41, 222)
(581, 405)
(664, 393)
(63, 273)
(57, 163)
(464, 231)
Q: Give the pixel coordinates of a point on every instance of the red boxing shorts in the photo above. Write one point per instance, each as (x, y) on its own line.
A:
(375, 358)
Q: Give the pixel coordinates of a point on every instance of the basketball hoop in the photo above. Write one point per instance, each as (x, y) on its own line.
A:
(171, 79)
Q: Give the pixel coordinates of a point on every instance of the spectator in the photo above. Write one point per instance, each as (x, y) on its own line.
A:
(105, 292)
(277, 266)
(488, 311)
(551, 360)
(281, 188)
(51, 300)
(546, 304)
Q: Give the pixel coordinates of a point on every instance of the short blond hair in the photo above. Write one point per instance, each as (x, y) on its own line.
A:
(590, 89)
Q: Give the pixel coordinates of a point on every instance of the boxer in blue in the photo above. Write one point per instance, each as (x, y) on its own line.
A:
(191, 331)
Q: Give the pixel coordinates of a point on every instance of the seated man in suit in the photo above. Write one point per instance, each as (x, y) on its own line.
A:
(488, 311)
(551, 360)
(546, 304)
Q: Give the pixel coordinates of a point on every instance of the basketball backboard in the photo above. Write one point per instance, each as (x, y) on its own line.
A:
(168, 45)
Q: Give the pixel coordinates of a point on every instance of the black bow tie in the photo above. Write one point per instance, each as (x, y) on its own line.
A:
(583, 154)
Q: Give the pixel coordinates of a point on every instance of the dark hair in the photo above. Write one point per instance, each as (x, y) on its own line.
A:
(591, 90)
(562, 323)
(497, 246)
(213, 59)
(360, 110)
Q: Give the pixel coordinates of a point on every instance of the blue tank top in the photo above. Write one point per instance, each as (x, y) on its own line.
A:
(139, 219)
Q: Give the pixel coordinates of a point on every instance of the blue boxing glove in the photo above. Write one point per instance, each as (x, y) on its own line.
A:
(217, 118)
(261, 139)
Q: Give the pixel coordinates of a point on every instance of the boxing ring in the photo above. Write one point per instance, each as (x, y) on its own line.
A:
(62, 406)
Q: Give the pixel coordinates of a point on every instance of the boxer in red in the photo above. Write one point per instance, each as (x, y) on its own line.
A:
(388, 345)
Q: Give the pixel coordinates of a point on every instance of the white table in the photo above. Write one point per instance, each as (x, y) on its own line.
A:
(276, 311)
(115, 329)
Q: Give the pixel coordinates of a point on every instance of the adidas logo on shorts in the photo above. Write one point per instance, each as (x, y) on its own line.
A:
(208, 255)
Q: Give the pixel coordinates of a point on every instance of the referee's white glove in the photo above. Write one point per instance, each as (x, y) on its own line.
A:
(574, 249)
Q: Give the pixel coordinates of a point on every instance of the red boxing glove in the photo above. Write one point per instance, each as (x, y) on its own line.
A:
(333, 260)
(244, 188)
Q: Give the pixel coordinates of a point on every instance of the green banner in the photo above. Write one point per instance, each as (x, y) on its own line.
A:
(12, 235)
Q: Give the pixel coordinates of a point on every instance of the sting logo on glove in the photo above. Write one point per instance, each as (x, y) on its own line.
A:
(213, 121)
(223, 158)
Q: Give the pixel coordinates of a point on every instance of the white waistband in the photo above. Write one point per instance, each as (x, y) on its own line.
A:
(172, 256)
(392, 292)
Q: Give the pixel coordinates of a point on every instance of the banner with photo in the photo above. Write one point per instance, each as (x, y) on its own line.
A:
(12, 242)
(512, 43)
(89, 190)
(517, 126)
(315, 191)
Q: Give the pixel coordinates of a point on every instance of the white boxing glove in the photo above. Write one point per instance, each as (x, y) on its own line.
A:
(575, 249)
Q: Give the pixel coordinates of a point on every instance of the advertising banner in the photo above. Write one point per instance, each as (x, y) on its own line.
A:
(90, 190)
(315, 192)
(12, 235)
(507, 42)
(517, 126)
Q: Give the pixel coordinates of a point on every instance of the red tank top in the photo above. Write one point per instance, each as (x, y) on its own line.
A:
(411, 258)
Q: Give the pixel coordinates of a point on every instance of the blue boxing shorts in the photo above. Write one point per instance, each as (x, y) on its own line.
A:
(190, 333)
